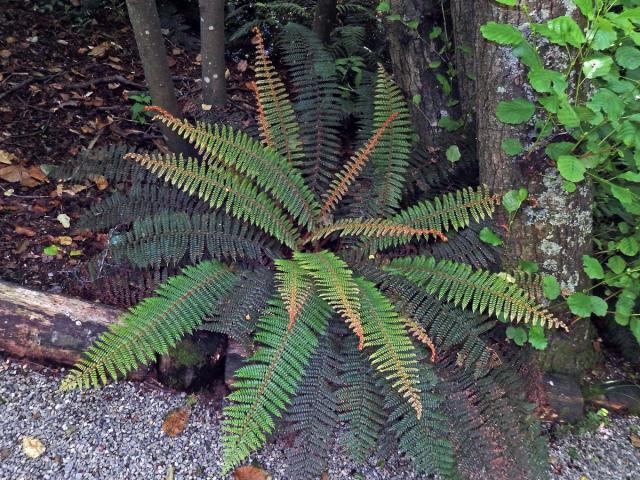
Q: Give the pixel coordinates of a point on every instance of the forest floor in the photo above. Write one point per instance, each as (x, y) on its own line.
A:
(120, 432)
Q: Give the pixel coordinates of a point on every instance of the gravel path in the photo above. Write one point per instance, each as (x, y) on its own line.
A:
(114, 433)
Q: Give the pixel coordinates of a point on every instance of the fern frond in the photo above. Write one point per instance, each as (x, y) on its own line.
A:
(336, 286)
(294, 285)
(464, 246)
(360, 402)
(264, 386)
(217, 186)
(313, 415)
(278, 124)
(483, 291)
(236, 314)
(348, 174)
(450, 211)
(394, 355)
(317, 103)
(376, 228)
(166, 238)
(224, 146)
(153, 326)
(420, 334)
(391, 156)
(107, 161)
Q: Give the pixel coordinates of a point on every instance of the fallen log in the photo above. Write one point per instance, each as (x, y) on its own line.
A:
(49, 328)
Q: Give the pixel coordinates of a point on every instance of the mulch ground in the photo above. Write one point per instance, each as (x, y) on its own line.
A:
(65, 83)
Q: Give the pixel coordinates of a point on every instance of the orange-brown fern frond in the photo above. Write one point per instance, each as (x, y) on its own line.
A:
(374, 228)
(420, 334)
(348, 174)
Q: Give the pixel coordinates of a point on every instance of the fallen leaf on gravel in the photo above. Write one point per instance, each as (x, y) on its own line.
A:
(176, 421)
(64, 220)
(100, 181)
(22, 175)
(64, 240)
(51, 250)
(5, 53)
(6, 157)
(635, 440)
(249, 472)
(24, 231)
(100, 50)
(170, 473)
(32, 447)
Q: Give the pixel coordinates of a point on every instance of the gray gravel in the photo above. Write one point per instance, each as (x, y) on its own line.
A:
(115, 434)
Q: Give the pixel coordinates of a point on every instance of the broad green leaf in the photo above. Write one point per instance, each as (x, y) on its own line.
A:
(623, 194)
(416, 99)
(628, 57)
(602, 35)
(592, 267)
(517, 334)
(512, 200)
(617, 264)
(635, 328)
(607, 101)
(571, 168)
(556, 149)
(501, 33)
(598, 306)
(628, 246)
(568, 116)
(509, 3)
(586, 8)
(528, 55)
(625, 306)
(512, 146)
(630, 177)
(597, 66)
(550, 287)
(568, 186)
(51, 250)
(561, 31)
(489, 236)
(384, 7)
(449, 124)
(580, 304)
(546, 81)
(515, 111)
(528, 266)
(537, 338)
(453, 153)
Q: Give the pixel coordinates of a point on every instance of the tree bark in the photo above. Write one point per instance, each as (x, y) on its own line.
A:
(145, 21)
(465, 37)
(554, 227)
(212, 52)
(47, 327)
(324, 19)
(413, 55)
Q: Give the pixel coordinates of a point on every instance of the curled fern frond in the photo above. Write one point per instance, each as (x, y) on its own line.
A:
(153, 326)
(218, 186)
(336, 286)
(166, 238)
(481, 290)
(235, 149)
(348, 174)
(375, 228)
(264, 386)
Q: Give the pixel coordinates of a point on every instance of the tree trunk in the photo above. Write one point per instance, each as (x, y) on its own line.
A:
(49, 328)
(465, 37)
(146, 28)
(324, 19)
(554, 227)
(212, 52)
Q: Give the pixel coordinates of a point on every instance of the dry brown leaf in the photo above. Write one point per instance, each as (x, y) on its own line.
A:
(5, 53)
(6, 157)
(27, 232)
(100, 181)
(32, 447)
(64, 240)
(325, 476)
(22, 175)
(635, 440)
(176, 421)
(100, 50)
(249, 472)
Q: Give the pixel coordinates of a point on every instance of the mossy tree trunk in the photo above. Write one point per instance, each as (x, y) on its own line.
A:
(554, 227)
(212, 52)
(145, 21)
(324, 19)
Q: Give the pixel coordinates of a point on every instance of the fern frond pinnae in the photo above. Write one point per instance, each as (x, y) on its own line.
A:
(153, 326)
(294, 285)
(336, 286)
(376, 228)
(422, 336)
(224, 146)
(348, 174)
(278, 123)
(394, 356)
(265, 385)
(482, 290)
(217, 186)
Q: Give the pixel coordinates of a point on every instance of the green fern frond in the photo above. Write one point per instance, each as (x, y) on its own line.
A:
(391, 156)
(108, 162)
(481, 290)
(352, 169)
(224, 146)
(278, 125)
(336, 286)
(264, 386)
(394, 355)
(218, 186)
(153, 326)
(166, 238)
(450, 211)
(285, 8)
(463, 246)
(294, 285)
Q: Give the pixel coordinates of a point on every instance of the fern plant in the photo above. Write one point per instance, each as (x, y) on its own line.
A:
(354, 319)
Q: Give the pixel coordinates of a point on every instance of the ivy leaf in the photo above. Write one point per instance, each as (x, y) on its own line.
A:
(537, 338)
(628, 57)
(489, 236)
(561, 31)
(453, 153)
(550, 287)
(501, 33)
(571, 168)
(511, 146)
(512, 200)
(597, 66)
(592, 267)
(515, 111)
(517, 334)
